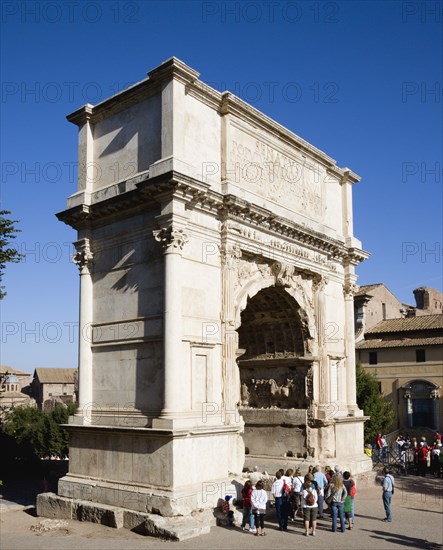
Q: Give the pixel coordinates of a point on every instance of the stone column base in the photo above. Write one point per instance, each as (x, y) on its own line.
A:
(165, 472)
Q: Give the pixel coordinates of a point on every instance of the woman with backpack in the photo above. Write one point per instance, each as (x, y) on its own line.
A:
(310, 507)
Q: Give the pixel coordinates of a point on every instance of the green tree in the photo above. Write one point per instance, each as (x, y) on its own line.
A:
(34, 434)
(369, 398)
(7, 254)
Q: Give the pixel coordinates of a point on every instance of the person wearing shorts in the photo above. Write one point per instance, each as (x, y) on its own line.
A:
(310, 509)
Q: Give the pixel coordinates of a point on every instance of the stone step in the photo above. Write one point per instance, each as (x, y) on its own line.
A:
(176, 528)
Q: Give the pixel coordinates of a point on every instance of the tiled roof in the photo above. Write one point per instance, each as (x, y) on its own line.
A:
(422, 322)
(365, 289)
(376, 343)
(55, 376)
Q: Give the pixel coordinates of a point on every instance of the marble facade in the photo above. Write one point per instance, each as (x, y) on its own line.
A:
(216, 256)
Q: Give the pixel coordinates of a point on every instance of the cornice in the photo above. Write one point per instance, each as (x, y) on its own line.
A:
(174, 68)
(198, 195)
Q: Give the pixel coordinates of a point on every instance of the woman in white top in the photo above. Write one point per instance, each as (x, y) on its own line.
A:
(259, 498)
(310, 507)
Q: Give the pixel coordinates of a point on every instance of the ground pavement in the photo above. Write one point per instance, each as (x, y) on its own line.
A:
(417, 523)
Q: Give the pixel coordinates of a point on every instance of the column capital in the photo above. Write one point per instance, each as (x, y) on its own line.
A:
(349, 289)
(230, 254)
(319, 282)
(171, 238)
(83, 257)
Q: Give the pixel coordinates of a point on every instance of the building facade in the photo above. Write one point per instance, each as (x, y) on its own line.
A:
(406, 357)
(217, 271)
(15, 389)
(51, 385)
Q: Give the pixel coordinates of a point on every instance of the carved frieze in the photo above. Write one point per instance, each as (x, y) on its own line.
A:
(284, 388)
(269, 171)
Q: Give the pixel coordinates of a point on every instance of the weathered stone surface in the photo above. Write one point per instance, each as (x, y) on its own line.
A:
(50, 505)
(173, 528)
(100, 513)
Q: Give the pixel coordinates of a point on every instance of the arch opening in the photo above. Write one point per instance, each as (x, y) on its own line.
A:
(274, 374)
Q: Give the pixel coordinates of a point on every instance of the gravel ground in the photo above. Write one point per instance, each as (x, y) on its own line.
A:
(417, 510)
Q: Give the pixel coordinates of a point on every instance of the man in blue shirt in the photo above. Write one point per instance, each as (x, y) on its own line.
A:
(320, 479)
(388, 491)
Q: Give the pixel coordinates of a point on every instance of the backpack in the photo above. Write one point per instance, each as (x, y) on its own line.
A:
(310, 499)
(286, 491)
(353, 490)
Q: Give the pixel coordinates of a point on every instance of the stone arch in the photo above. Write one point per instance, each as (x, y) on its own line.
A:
(275, 370)
(305, 310)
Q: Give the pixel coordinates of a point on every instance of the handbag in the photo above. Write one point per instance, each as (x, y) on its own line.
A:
(353, 491)
(328, 499)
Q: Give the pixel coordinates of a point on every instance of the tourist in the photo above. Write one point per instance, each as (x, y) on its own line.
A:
(349, 483)
(310, 507)
(287, 496)
(414, 447)
(322, 483)
(435, 457)
(248, 516)
(337, 493)
(297, 491)
(388, 491)
(328, 473)
(422, 459)
(228, 510)
(259, 498)
(337, 471)
(385, 448)
(277, 491)
(379, 444)
(400, 442)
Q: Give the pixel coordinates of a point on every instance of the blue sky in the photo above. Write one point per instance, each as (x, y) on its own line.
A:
(359, 80)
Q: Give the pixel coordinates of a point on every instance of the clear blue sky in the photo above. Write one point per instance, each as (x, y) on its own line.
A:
(361, 81)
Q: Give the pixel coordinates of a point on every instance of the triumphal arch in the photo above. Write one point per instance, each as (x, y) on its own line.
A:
(216, 257)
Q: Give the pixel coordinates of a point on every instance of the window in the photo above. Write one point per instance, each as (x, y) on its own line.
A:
(373, 358)
(383, 308)
(420, 355)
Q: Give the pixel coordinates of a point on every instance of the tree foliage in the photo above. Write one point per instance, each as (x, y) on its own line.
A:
(35, 434)
(7, 253)
(370, 399)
